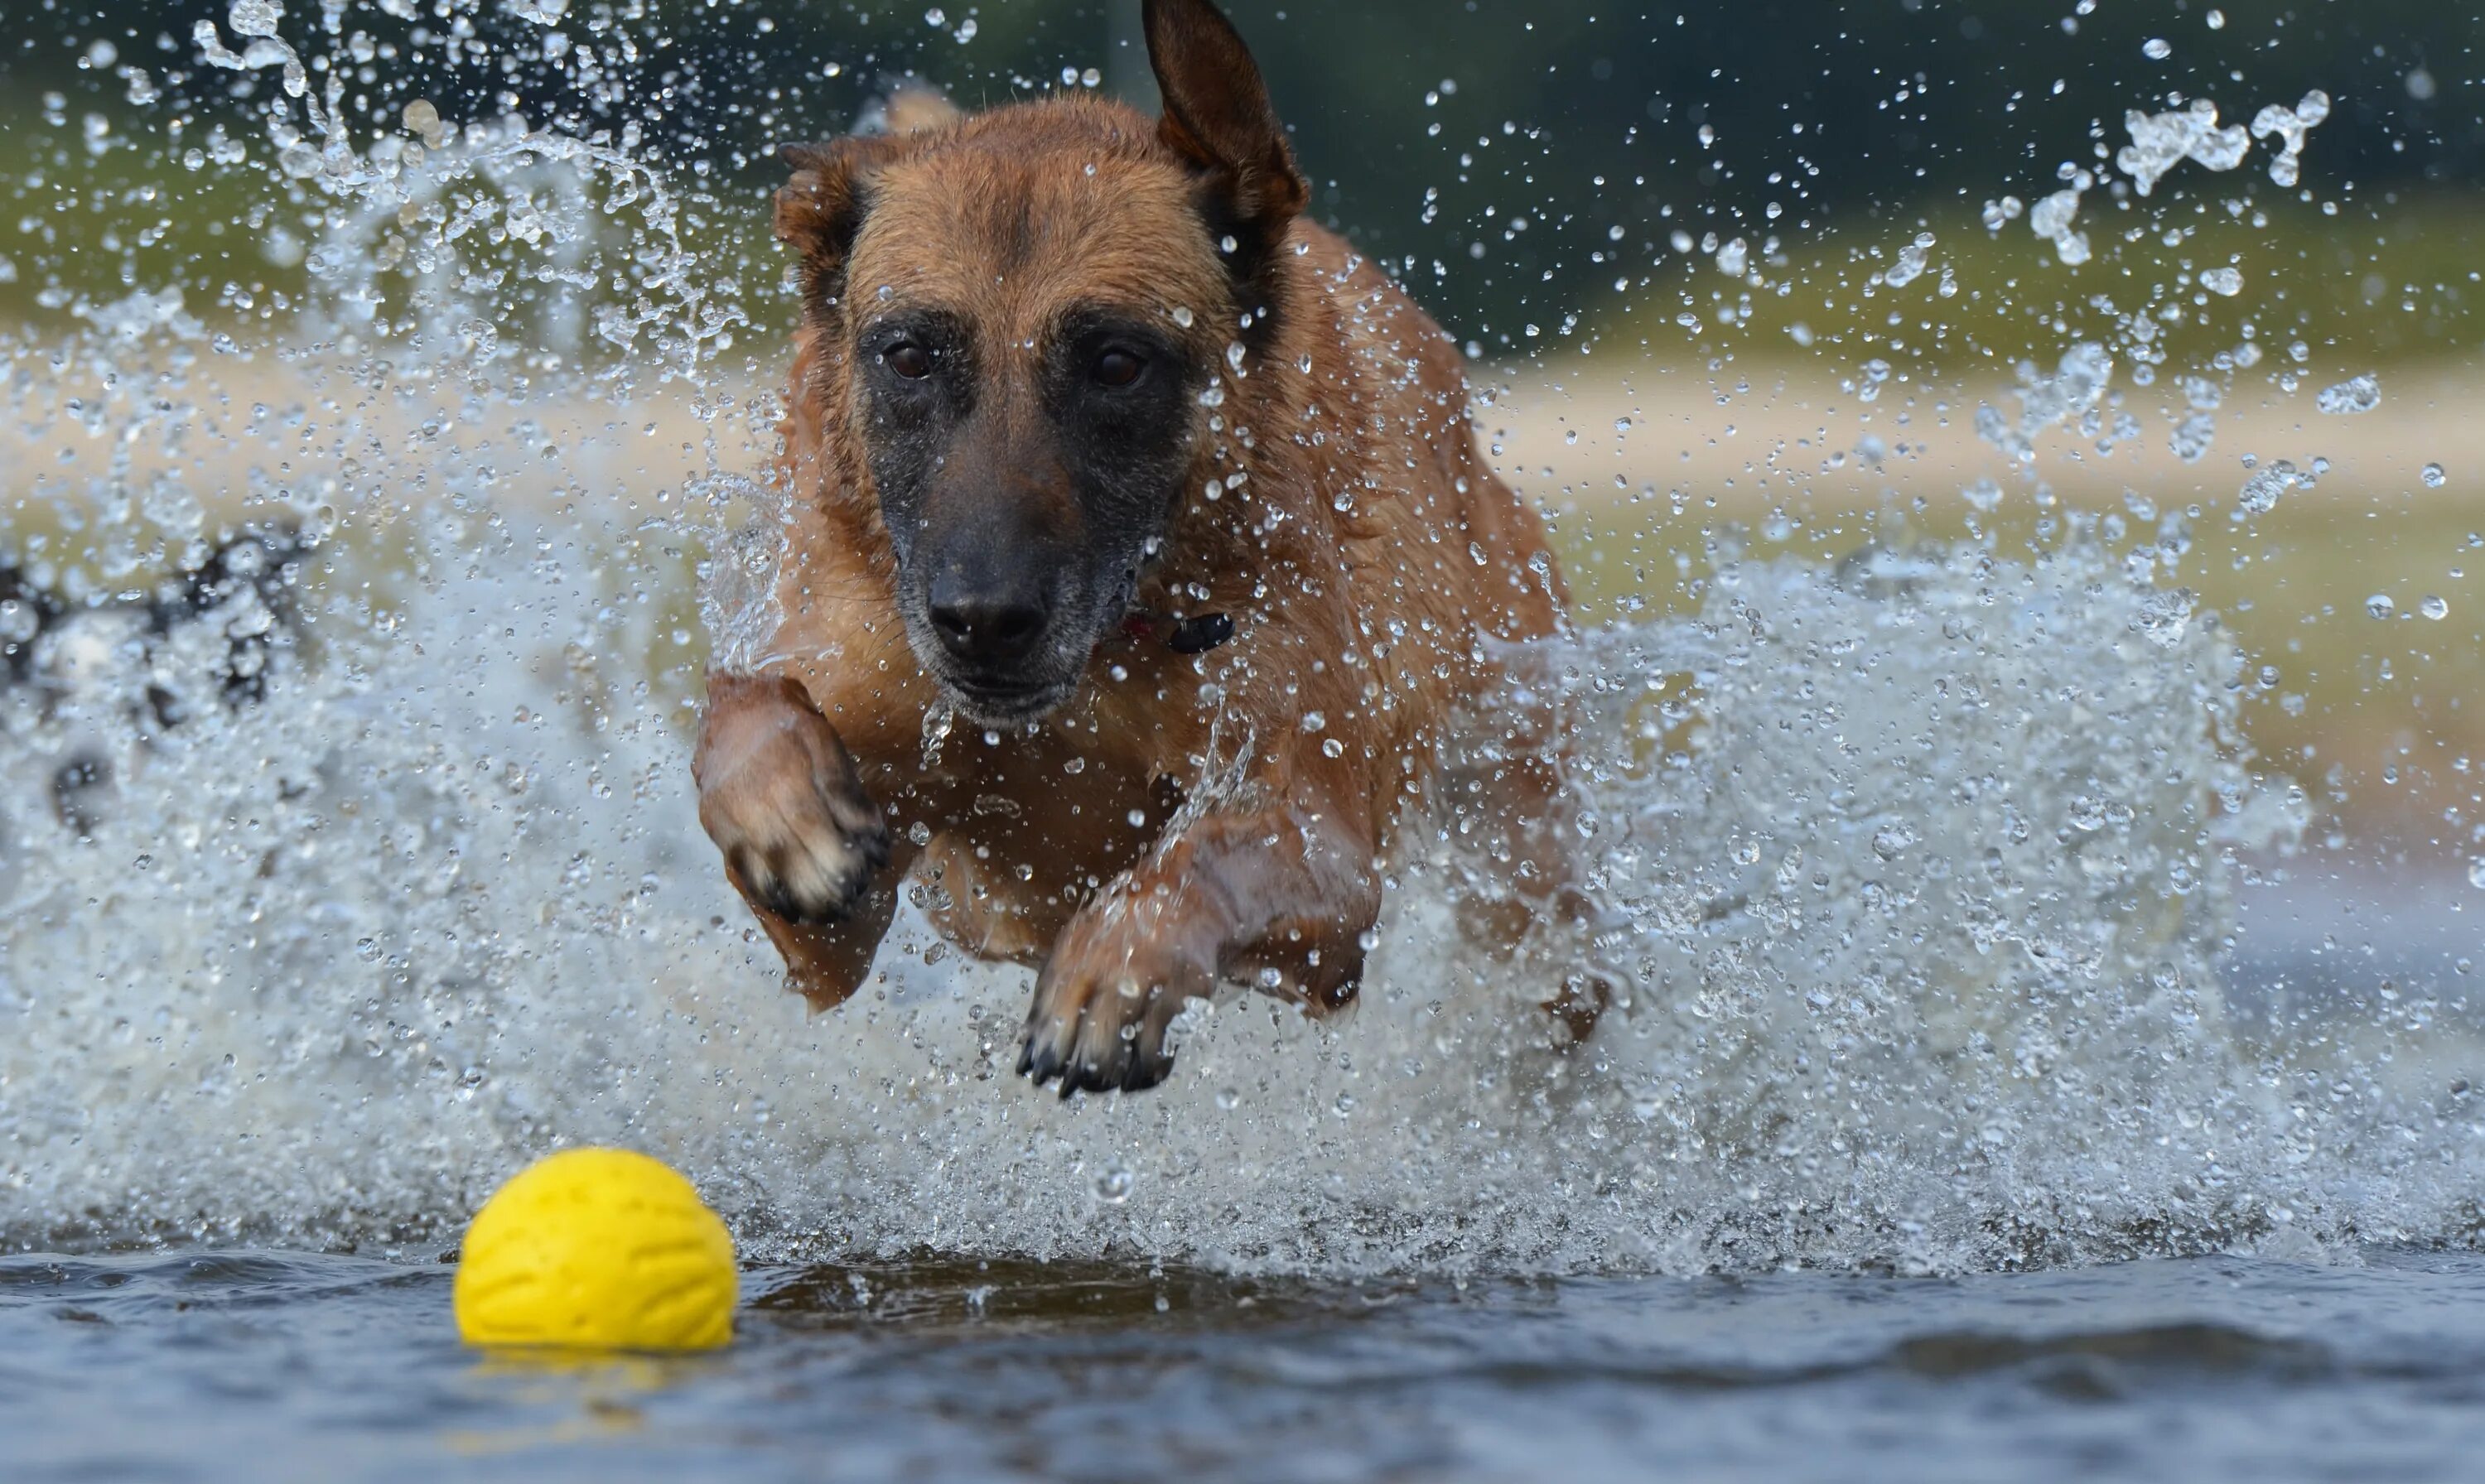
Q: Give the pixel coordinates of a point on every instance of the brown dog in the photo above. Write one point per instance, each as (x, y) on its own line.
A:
(1142, 550)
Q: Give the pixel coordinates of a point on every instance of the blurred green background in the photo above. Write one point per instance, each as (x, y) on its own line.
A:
(1495, 145)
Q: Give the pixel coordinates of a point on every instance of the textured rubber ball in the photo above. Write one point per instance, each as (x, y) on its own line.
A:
(597, 1250)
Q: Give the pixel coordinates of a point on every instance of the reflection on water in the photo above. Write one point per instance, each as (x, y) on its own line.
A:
(252, 1366)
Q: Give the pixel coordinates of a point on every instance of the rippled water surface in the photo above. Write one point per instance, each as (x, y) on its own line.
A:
(259, 1365)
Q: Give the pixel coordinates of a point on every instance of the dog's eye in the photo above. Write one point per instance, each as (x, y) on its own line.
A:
(908, 360)
(1118, 368)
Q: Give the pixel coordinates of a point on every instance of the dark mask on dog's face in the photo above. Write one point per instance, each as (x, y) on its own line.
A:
(1026, 476)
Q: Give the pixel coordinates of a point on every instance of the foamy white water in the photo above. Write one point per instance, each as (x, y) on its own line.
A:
(1917, 874)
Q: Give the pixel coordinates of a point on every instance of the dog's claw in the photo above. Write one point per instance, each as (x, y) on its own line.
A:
(817, 871)
(1100, 1039)
(779, 796)
(1040, 1061)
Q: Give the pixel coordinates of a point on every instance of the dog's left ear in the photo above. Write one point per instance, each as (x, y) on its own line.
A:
(1217, 116)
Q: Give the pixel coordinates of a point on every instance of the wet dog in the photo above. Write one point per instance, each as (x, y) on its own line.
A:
(1142, 551)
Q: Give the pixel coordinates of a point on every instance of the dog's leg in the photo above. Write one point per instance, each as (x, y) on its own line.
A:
(827, 964)
(1284, 896)
(1526, 814)
(1513, 807)
(803, 843)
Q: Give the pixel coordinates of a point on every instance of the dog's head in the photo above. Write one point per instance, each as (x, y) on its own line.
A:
(1030, 307)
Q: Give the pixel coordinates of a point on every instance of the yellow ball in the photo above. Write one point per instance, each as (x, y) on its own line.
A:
(597, 1249)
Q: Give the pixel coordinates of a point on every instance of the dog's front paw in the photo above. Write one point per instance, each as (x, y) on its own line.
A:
(1105, 1003)
(780, 797)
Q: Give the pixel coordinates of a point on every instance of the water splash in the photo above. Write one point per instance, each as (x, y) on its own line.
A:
(2073, 393)
(2352, 397)
(334, 897)
(2160, 142)
(1915, 877)
(2289, 127)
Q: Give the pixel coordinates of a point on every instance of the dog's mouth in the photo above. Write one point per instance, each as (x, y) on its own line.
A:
(1006, 702)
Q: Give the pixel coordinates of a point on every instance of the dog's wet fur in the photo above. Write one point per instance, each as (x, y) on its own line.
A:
(1141, 551)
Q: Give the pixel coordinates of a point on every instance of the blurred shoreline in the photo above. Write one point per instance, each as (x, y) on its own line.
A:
(1747, 438)
(1577, 435)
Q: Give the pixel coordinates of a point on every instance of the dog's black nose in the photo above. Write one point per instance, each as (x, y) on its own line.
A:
(986, 625)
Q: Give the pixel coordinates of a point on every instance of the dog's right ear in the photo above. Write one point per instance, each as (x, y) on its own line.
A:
(819, 210)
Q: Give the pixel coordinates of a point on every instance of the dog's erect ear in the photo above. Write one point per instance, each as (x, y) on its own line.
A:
(1217, 112)
(819, 211)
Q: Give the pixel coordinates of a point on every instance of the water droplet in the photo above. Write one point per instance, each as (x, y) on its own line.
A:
(2228, 282)
(2165, 617)
(254, 18)
(2262, 492)
(1113, 1184)
(2054, 215)
(2356, 394)
(2434, 477)
(1910, 264)
(2434, 606)
(2156, 48)
(2476, 872)
(2380, 606)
